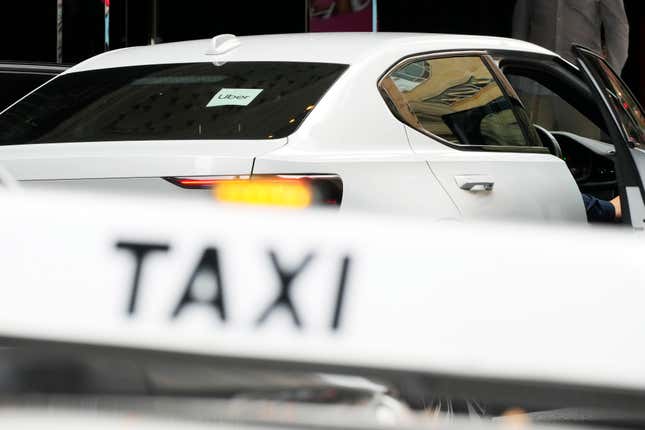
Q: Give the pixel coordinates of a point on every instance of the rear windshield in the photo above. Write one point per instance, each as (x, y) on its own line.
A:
(242, 100)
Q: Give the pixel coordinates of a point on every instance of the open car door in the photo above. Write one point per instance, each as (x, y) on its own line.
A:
(626, 126)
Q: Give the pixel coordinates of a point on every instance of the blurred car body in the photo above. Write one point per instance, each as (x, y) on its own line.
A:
(506, 354)
(115, 308)
(409, 123)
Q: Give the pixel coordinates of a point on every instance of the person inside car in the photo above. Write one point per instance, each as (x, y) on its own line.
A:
(602, 210)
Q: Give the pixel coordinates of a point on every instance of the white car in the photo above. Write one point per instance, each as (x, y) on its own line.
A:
(429, 125)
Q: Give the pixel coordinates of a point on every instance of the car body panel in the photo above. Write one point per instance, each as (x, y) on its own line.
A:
(81, 160)
(526, 185)
(638, 154)
(148, 187)
(634, 194)
(385, 186)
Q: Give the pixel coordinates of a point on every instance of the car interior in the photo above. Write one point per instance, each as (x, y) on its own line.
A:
(567, 120)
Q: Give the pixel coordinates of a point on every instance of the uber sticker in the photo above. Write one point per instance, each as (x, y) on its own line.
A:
(234, 97)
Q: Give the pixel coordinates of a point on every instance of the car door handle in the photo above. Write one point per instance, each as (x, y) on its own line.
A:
(475, 182)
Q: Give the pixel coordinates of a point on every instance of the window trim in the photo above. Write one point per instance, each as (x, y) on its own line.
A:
(499, 80)
(516, 103)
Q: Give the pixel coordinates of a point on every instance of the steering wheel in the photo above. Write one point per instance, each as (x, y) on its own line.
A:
(549, 141)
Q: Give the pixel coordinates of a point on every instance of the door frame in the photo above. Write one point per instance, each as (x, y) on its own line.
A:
(627, 172)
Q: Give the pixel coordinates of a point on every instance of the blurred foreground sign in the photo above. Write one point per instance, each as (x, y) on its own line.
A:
(501, 300)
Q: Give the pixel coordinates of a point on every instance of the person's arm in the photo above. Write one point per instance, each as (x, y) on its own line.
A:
(521, 19)
(601, 210)
(618, 210)
(614, 20)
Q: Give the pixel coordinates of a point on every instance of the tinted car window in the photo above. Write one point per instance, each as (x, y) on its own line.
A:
(456, 99)
(14, 85)
(551, 111)
(243, 100)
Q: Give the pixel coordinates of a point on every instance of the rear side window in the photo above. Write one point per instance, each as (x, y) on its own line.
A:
(241, 100)
(456, 99)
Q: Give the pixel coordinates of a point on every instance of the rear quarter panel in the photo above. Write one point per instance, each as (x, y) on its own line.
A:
(352, 133)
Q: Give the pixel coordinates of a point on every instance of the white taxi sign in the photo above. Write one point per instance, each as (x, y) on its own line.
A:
(531, 302)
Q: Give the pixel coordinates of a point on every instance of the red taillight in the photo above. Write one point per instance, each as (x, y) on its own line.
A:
(202, 183)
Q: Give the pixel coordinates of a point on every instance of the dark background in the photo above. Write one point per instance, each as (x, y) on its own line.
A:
(28, 29)
(495, 17)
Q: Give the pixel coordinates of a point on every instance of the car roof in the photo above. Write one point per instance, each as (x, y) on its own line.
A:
(344, 48)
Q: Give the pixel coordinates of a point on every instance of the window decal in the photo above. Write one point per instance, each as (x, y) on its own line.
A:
(234, 97)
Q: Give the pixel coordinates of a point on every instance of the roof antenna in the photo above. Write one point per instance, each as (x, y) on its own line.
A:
(223, 43)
